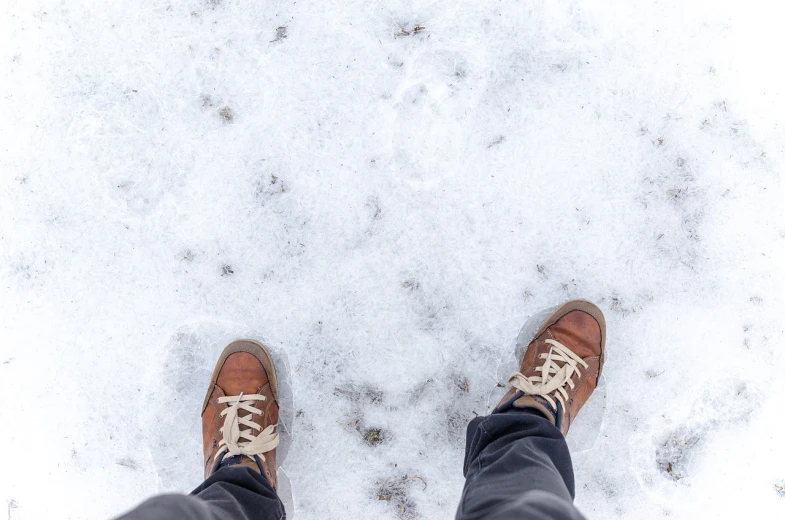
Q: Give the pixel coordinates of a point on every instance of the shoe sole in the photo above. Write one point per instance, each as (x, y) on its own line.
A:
(254, 348)
(584, 306)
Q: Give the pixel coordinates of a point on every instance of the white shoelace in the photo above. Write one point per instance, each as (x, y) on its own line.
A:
(553, 378)
(243, 442)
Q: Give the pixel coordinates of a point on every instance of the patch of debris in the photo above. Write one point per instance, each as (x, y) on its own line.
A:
(676, 193)
(396, 492)
(497, 141)
(460, 381)
(280, 187)
(376, 207)
(226, 270)
(226, 114)
(674, 455)
(618, 305)
(274, 186)
(281, 33)
(361, 394)
(411, 284)
(127, 463)
(373, 436)
(404, 31)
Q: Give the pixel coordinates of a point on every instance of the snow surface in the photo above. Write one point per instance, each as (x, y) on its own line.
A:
(384, 192)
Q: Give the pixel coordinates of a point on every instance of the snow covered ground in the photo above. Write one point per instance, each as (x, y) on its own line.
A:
(384, 192)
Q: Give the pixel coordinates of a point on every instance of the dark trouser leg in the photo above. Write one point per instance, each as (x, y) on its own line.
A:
(232, 493)
(517, 466)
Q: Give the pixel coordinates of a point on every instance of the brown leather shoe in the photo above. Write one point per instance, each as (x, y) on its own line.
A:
(562, 365)
(240, 411)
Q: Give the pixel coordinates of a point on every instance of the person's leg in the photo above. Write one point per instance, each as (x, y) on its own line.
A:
(239, 420)
(517, 462)
(232, 493)
(517, 465)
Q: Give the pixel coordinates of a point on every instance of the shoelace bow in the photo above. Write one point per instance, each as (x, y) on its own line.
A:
(556, 373)
(243, 442)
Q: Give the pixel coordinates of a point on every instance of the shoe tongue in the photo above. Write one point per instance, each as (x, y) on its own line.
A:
(539, 404)
(239, 460)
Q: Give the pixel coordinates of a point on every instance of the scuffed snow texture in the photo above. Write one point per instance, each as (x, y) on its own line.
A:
(384, 192)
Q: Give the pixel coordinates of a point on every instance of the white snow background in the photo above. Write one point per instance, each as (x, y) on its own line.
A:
(384, 192)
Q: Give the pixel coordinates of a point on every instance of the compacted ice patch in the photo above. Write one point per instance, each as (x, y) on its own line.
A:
(493, 355)
(171, 416)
